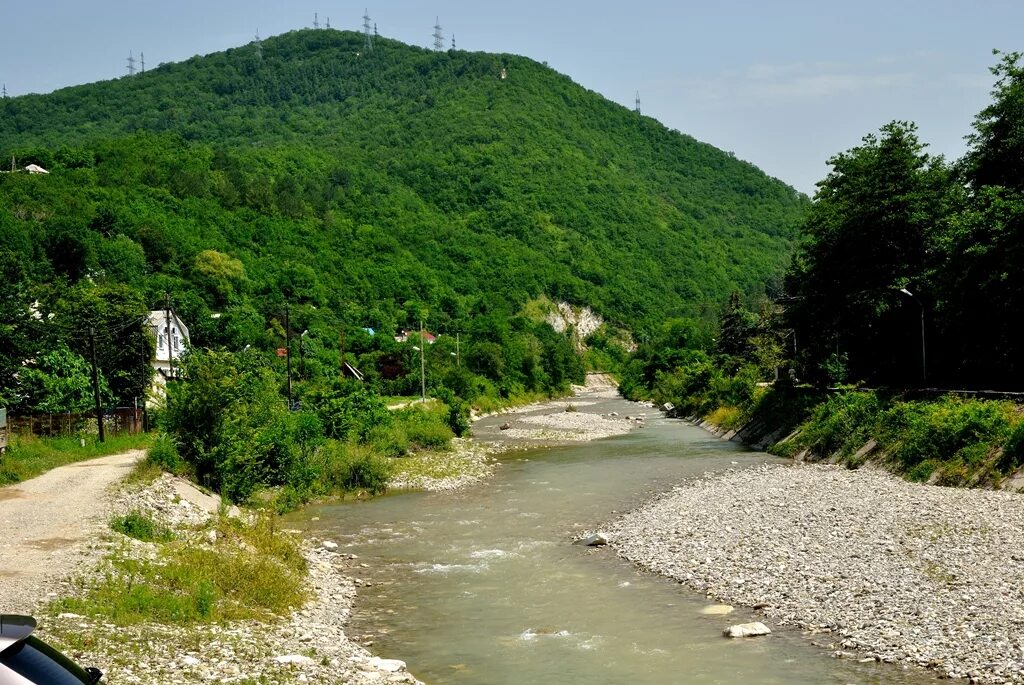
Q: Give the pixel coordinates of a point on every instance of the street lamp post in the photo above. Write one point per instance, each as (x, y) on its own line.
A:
(924, 365)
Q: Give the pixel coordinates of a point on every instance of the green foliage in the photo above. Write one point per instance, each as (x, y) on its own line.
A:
(136, 524)
(59, 381)
(345, 467)
(164, 454)
(230, 425)
(949, 429)
(349, 411)
(842, 424)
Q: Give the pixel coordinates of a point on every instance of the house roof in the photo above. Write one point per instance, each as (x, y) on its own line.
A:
(36, 169)
(158, 320)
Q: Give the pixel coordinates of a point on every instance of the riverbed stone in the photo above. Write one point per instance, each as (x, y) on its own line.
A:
(592, 540)
(717, 610)
(754, 629)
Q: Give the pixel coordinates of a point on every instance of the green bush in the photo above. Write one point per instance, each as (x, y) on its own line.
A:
(345, 467)
(140, 526)
(390, 441)
(943, 431)
(164, 453)
(841, 424)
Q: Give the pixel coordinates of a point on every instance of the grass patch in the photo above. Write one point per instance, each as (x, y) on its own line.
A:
(253, 572)
(728, 418)
(140, 526)
(29, 456)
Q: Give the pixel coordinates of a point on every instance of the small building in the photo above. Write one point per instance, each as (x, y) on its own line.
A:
(36, 169)
(172, 340)
(406, 336)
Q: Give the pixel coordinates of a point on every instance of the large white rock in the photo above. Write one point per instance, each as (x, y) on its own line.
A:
(386, 665)
(297, 659)
(329, 545)
(747, 630)
(594, 540)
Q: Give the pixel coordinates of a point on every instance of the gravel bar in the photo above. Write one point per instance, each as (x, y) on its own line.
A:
(891, 570)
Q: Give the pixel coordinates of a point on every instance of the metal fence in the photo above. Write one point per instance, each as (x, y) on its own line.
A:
(115, 421)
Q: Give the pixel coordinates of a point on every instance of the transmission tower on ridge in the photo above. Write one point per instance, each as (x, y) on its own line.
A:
(5, 91)
(131, 64)
(142, 62)
(438, 35)
(316, 20)
(259, 46)
(637, 110)
(328, 22)
(366, 30)
(453, 41)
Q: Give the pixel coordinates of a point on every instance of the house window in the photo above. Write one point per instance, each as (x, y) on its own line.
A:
(175, 342)
(160, 341)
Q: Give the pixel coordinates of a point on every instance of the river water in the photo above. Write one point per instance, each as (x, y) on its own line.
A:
(483, 586)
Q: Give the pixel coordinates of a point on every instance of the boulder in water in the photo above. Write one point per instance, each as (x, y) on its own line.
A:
(747, 630)
(593, 540)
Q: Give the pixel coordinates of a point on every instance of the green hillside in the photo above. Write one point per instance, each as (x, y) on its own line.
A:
(400, 174)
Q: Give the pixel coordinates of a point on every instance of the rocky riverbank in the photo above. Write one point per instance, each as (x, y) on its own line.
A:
(310, 645)
(878, 567)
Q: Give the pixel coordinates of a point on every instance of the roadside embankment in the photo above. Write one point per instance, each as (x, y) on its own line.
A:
(880, 567)
(182, 607)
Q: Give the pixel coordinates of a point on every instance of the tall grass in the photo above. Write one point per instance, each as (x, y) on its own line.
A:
(29, 456)
(253, 572)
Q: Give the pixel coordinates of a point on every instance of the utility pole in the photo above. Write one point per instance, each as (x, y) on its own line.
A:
(96, 384)
(341, 352)
(288, 352)
(302, 356)
(423, 367)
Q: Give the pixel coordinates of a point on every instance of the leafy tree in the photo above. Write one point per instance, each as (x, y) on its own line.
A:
(865, 238)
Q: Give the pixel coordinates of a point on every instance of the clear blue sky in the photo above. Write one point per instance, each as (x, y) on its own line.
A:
(784, 84)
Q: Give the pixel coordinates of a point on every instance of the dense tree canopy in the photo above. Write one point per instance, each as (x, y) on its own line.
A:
(369, 191)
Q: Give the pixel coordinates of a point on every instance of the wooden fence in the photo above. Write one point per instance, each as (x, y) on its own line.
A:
(115, 421)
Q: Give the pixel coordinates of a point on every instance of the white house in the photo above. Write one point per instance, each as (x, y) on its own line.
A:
(171, 341)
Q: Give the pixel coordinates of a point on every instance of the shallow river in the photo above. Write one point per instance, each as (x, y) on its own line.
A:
(483, 586)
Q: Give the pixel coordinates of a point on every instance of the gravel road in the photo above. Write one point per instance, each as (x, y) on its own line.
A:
(50, 525)
(879, 567)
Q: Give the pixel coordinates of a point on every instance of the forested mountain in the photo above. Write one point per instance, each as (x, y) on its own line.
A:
(406, 174)
(370, 189)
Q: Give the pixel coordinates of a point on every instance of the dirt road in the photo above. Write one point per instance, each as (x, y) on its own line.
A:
(52, 524)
